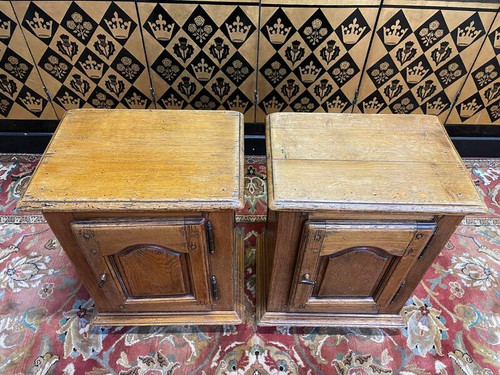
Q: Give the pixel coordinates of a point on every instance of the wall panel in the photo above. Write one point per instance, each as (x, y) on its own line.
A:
(22, 96)
(479, 100)
(311, 54)
(202, 56)
(421, 54)
(89, 53)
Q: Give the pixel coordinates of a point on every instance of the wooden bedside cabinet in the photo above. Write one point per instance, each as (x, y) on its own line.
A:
(359, 207)
(143, 203)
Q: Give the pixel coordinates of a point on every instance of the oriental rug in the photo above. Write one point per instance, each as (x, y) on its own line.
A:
(452, 320)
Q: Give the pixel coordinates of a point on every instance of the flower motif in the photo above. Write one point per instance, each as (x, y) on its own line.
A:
(46, 290)
(475, 272)
(127, 67)
(101, 101)
(24, 272)
(204, 103)
(237, 71)
(383, 73)
(359, 364)
(55, 67)
(152, 365)
(450, 74)
(423, 326)
(495, 111)
(343, 73)
(304, 105)
(405, 106)
(275, 73)
(486, 76)
(255, 191)
(431, 34)
(16, 68)
(75, 328)
(456, 290)
(78, 26)
(315, 33)
(199, 30)
(167, 70)
(4, 105)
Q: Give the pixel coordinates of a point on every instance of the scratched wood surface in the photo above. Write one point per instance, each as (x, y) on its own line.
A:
(140, 160)
(387, 163)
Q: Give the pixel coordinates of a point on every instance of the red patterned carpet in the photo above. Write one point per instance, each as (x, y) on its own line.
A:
(452, 321)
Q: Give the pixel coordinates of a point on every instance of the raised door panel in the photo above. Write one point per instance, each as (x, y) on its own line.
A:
(335, 276)
(346, 267)
(167, 271)
(421, 55)
(148, 265)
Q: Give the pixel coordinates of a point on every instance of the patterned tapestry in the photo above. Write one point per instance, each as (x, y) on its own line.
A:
(437, 57)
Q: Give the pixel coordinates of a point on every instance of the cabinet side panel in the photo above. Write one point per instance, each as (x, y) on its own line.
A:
(288, 232)
(446, 227)
(222, 261)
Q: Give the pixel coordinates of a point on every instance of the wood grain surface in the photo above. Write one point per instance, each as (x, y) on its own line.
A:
(140, 160)
(349, 162)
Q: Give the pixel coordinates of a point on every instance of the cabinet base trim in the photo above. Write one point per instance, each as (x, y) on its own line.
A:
(271, 319)
(167, 319)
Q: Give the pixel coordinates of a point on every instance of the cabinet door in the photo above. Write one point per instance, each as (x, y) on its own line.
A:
(148, 265)
(351, 267)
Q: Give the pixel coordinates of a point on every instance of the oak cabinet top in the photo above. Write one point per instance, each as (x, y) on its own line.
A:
(141, 160)
(357, 162)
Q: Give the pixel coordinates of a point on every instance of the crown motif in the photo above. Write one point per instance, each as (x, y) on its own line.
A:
(468, 109)
(202, 70)
(336, 105)
(40, 27)
(118, 27)
(173, 103)
(394, 33)
(309, 72)
(238, 31)
(372, 106)
(92, 68)
(4, 29)
(69, 101)
(162, 30)
(496, 39)
(415, 73)
(273, 105)
(352, 32)
(33, 104)
(136, 101)
(467, 35)
(278, 32)
(435, 108)
(237, 104)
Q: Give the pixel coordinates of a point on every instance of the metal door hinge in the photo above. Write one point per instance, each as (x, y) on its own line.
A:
(214, 288)
(399, 290)
(210, 238)
(429, 243)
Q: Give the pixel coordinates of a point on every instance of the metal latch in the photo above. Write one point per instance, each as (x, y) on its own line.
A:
(210, 238)
(214, 287)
